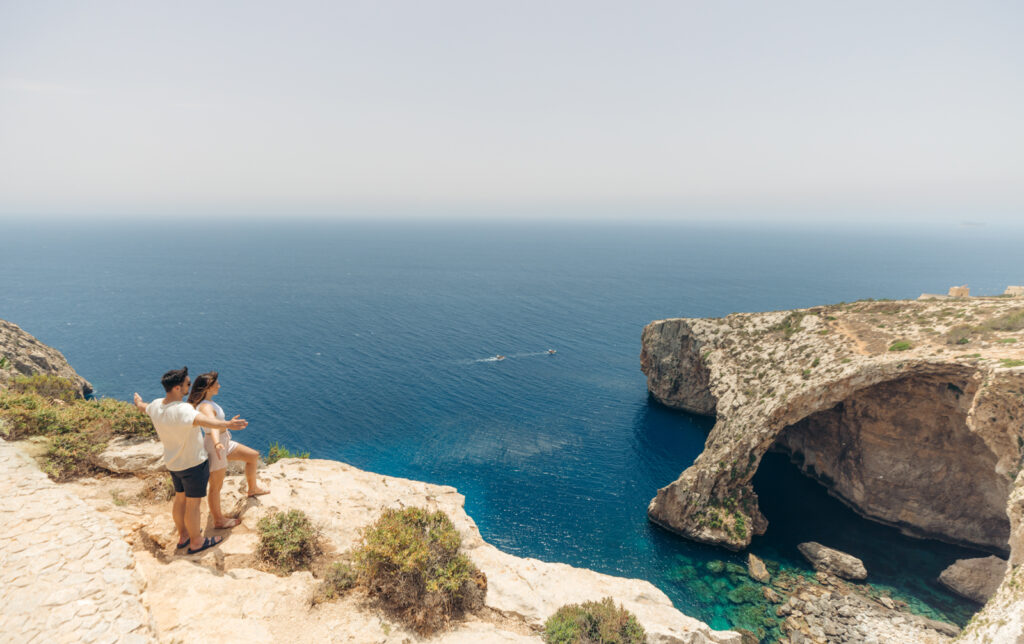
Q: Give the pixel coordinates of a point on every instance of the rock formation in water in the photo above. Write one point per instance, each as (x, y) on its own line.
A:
(835, 562)
(910, 412)
(976, 579)
(22, 354)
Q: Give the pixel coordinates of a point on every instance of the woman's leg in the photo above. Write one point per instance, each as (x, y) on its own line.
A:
(252, 461)
(213, 498)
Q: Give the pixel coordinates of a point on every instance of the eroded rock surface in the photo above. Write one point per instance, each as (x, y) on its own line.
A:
(522, 593)
(27, 356)
(833, 561)
(131, 455)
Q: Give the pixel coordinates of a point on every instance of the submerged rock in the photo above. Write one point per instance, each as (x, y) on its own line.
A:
(975, 579)
(757, 570)
(833, 561)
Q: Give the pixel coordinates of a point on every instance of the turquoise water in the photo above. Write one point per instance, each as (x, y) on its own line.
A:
(372, 344)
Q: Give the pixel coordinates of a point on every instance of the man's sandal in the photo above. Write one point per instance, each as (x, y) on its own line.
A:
(229, 523)
(208, 542)
(183, 544)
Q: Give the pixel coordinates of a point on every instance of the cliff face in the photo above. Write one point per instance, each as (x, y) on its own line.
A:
(27, 356)
(911, 412)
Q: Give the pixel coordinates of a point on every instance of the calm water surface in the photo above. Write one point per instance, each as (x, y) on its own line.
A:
(372, 344)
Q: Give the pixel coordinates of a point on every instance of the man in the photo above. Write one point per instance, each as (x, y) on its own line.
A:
(177, 424)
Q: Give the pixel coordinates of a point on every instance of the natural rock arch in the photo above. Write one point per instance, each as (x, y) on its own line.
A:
(939, 432)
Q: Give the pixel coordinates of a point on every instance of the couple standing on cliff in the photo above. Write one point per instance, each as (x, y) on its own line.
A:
(194, 460)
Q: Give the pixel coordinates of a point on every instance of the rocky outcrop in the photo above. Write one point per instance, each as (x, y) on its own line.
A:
(832, 561)
(976, 579)
(909, 412)
(131, 455)
(20, 353)
(831, 611)
(876, 400)
(341, 500)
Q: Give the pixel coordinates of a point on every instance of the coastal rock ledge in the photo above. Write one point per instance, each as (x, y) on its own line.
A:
(909, 412)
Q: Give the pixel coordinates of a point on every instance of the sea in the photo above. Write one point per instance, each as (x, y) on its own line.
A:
(375, 343)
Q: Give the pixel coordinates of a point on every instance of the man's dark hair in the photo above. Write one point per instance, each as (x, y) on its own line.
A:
(173, 378)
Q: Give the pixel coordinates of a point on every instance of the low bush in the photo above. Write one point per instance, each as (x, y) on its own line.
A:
(288, 541)
(277, 452)
(78, 429)
(409, 559)
(593, 623)
(69, 456)
(900, 345)
(47, 386)
(338, 579)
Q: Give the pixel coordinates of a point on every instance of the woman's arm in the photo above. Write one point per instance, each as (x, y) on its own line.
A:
(207, 409)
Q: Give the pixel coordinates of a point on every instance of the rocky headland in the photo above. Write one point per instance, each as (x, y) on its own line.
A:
(94, 559)
(910, 412)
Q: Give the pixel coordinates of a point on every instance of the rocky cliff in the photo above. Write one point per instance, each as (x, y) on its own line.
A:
(22, 354)
(910, 412)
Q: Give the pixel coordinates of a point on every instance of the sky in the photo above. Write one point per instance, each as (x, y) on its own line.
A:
(514, 109)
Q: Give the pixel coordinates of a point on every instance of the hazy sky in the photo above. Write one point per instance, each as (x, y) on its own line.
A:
(527, 107)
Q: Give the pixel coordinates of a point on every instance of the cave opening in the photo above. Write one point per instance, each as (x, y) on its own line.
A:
(891, 474)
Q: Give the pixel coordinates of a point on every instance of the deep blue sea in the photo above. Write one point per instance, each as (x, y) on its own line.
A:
(372, 343)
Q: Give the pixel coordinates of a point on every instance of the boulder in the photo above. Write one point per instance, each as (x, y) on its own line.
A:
(130, 455)
(975, 579)
(757, 570)
(832, 561)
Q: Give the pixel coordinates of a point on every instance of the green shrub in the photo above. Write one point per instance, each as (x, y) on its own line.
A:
(47, 386)
(69, 456)
(117, 416)
(277, 452)
(410, 560)
(338, 579)
(900, 345)
(593, 623)
(288, 541)
(1009, 362)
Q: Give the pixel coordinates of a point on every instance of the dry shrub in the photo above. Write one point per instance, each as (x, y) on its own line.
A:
(157, 488)
(593, 623)
(288, 541)
(409, 559)
(337, 580)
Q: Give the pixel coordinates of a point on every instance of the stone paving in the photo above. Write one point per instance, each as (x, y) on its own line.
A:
(65, 573)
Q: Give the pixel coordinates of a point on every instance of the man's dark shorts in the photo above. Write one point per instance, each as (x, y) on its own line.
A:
(192, 481)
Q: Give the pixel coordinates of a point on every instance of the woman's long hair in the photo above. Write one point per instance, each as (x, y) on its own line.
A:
(203, 382)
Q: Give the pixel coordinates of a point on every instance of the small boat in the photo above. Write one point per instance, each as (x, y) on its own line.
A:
(551, 352)
(499, 357)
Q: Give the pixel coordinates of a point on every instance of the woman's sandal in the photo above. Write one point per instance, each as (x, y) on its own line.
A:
(208, 542)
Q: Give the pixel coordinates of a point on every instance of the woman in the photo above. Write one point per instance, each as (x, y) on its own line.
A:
(221, 448)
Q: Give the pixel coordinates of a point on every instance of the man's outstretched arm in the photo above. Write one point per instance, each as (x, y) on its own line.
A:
(139, 403)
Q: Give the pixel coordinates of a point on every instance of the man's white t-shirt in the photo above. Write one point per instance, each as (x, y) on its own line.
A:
(183, 443)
